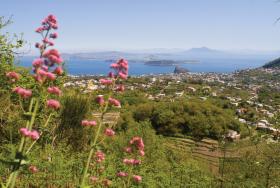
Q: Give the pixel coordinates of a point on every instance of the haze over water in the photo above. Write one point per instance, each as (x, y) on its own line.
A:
(94, 67)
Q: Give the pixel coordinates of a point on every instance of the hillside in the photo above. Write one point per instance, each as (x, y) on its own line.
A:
(273, 64)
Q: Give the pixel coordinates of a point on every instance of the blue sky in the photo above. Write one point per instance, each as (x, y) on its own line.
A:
(147, 24)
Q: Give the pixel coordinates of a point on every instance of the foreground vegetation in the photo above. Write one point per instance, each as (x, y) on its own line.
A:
(61, 155)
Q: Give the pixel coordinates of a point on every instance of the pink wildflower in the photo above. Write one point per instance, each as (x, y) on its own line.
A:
(100, 100)
(54, 26)
(114, 102)
(105, 81)
(34, 135)
(114, 65)
(122, 75)
(51, 43)
(53, 35)
(39, 30)
(51, 18)
(54, 90)
(45, 68)
(88, 123)
(138, 141)
(13, 75)
(84, 123)
(58, 70)
(100, 156)
(123, 63)
(111, 75)
(122, 174)
(50, 76)
(33, 169)
(132, 161)
(45, 40)
(24, 93)
(141, 152)
(51, 52)
(54, 104)
(24, 132)
(42, 72)
(137, 178)
(92, 123)
(109, 132)
(55, 59)
(53, 56)
(38, 78)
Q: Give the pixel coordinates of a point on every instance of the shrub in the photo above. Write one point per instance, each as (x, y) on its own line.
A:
(76, 107)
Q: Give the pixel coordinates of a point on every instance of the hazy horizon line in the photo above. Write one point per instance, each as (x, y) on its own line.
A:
(153, 50)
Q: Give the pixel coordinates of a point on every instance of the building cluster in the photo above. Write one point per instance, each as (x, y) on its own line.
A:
(204, 86)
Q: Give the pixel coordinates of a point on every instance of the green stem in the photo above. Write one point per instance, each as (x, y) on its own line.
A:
(91, 152)
(21, 105)
(129, 176)
(28, 150)
(13, 182)
(48, 120)
(30, 105)
(29, 124)
(85, 171)
(34, 114)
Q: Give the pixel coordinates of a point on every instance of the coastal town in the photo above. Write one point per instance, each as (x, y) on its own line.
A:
(240, 89)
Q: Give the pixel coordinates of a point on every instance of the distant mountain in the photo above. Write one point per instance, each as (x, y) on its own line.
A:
(168, 54)
(204, 52)
(273, 64)
(147, 55)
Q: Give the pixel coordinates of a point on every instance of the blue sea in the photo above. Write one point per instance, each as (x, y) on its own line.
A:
(94, 67)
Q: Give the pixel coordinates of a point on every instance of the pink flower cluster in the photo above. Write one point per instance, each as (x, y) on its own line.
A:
(100, 100)
(132, 161)
(137, 178)
(48, 66)
(33, 134)
(53, 57)
(109, 132)
(54, 90)
(13, 76)
(88, 123)
(48, 23)
(24, 93)
(42, 66)
(122, 174)
(121, 69)
(99, 156)
(106, 81)
(138, 144)
(54, 104)
(114, 102)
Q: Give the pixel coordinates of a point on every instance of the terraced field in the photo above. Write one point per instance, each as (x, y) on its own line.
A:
(207, 151)
(109, 118)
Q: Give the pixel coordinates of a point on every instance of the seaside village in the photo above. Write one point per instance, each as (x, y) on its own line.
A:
(240, 89)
